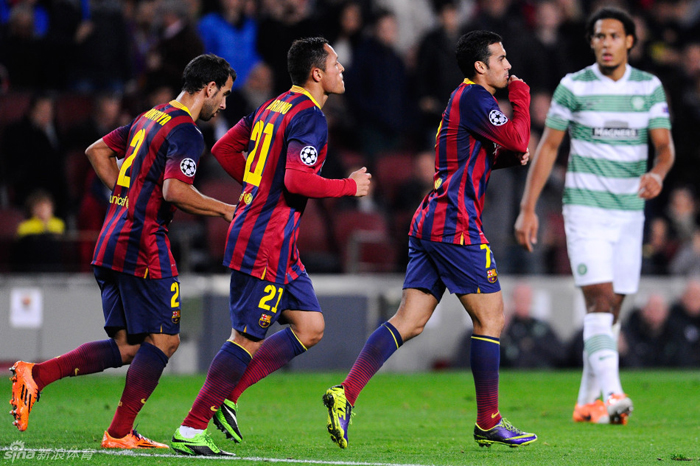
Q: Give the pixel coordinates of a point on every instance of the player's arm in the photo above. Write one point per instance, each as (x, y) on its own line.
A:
(650, 183)
(104, 152)
(104, 161)
(315, 186)
(527, 223)
(188, 198)
(228, 150)
(506, 158)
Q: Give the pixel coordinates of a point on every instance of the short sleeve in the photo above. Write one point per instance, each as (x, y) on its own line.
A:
(307, 137)
(185, 147)
(562, 108)
(658, 111)
(117, 139)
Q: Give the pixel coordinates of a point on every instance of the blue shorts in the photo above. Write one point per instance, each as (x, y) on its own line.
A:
(139, 305)
(256, 304)
(463, 269)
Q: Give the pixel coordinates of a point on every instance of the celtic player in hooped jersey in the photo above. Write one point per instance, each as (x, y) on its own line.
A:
(611, 111)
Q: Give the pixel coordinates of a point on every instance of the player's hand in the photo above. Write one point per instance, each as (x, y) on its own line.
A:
(513, 78)
(524, 158)
(526, 226)
(228, 213)
(361, 178)
(650, 185)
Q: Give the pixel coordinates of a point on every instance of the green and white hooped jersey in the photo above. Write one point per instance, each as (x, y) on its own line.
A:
(609, 123)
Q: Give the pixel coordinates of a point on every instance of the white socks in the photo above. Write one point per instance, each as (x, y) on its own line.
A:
(600, 351)
(189, 432)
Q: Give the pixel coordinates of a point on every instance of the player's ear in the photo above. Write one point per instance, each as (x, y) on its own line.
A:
(480, 67)
(211, 89)
(316, 74)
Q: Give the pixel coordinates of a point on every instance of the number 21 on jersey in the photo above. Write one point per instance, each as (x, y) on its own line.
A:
(262, 132)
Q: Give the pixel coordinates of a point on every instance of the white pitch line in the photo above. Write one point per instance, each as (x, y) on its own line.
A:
(131, 454)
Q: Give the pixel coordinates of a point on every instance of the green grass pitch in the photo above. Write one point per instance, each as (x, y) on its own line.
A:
(401, 419)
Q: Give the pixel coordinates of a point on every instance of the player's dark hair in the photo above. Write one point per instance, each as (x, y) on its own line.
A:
(473, 47)
(612, 13)
(304, 55)
(204, 69)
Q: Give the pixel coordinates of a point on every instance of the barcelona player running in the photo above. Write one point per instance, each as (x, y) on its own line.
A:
(447, 247)
(132, 262)
(286, 141)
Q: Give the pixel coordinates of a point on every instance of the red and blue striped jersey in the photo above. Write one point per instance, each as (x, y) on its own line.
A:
(286, 133)
(161, 143)
(473, 133)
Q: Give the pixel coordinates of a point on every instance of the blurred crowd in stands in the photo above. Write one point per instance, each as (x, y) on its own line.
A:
(72, 70)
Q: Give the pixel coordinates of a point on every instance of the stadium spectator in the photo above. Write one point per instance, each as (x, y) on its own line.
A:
(232, 34)
(684, 322)
(448, 249)
(281, 22)
(345, 31)
(436, 72)
(140, 290)
(20, 40)
(381, 111)
(99, 55)
(528, 342)
(682, 214)
(177, 44)
(606, 187)
(646, 339)
(38, 247)
(658, 249)
(33, 155)
(686, 262)
(278, 178)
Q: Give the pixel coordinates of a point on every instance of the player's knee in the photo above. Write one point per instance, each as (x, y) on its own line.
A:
(312, 335)
(171, 345)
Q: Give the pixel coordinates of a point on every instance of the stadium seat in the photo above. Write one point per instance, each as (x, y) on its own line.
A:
(315, 241)
(71, 110)
(364, 242)
(391, 171)
(11, 219)
(13, 106)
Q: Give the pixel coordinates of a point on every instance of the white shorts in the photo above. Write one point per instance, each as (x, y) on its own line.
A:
(604, 247)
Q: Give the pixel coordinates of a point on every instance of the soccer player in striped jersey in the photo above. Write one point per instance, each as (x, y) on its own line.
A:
(447, 246)
(132, 262)
(611, 110)
(286, 141)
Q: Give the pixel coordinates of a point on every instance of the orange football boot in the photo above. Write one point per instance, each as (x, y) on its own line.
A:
(24, 393)
(130, 441)
(595, 413)
(619, 408)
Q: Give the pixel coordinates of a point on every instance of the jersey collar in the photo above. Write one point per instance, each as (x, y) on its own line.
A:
(301, 90)
(468, 81)
(177, 104)
(602, 77)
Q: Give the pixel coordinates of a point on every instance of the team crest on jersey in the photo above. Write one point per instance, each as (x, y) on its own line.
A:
(265, 320)
(492, 275)
(188, 167)
(309, 155)
(176, 316)
(497, 118)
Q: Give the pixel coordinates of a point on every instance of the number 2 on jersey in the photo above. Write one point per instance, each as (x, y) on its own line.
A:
(259, 133)
(136, 142)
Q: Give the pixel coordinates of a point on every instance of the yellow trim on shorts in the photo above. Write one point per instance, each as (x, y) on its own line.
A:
(251, 356)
